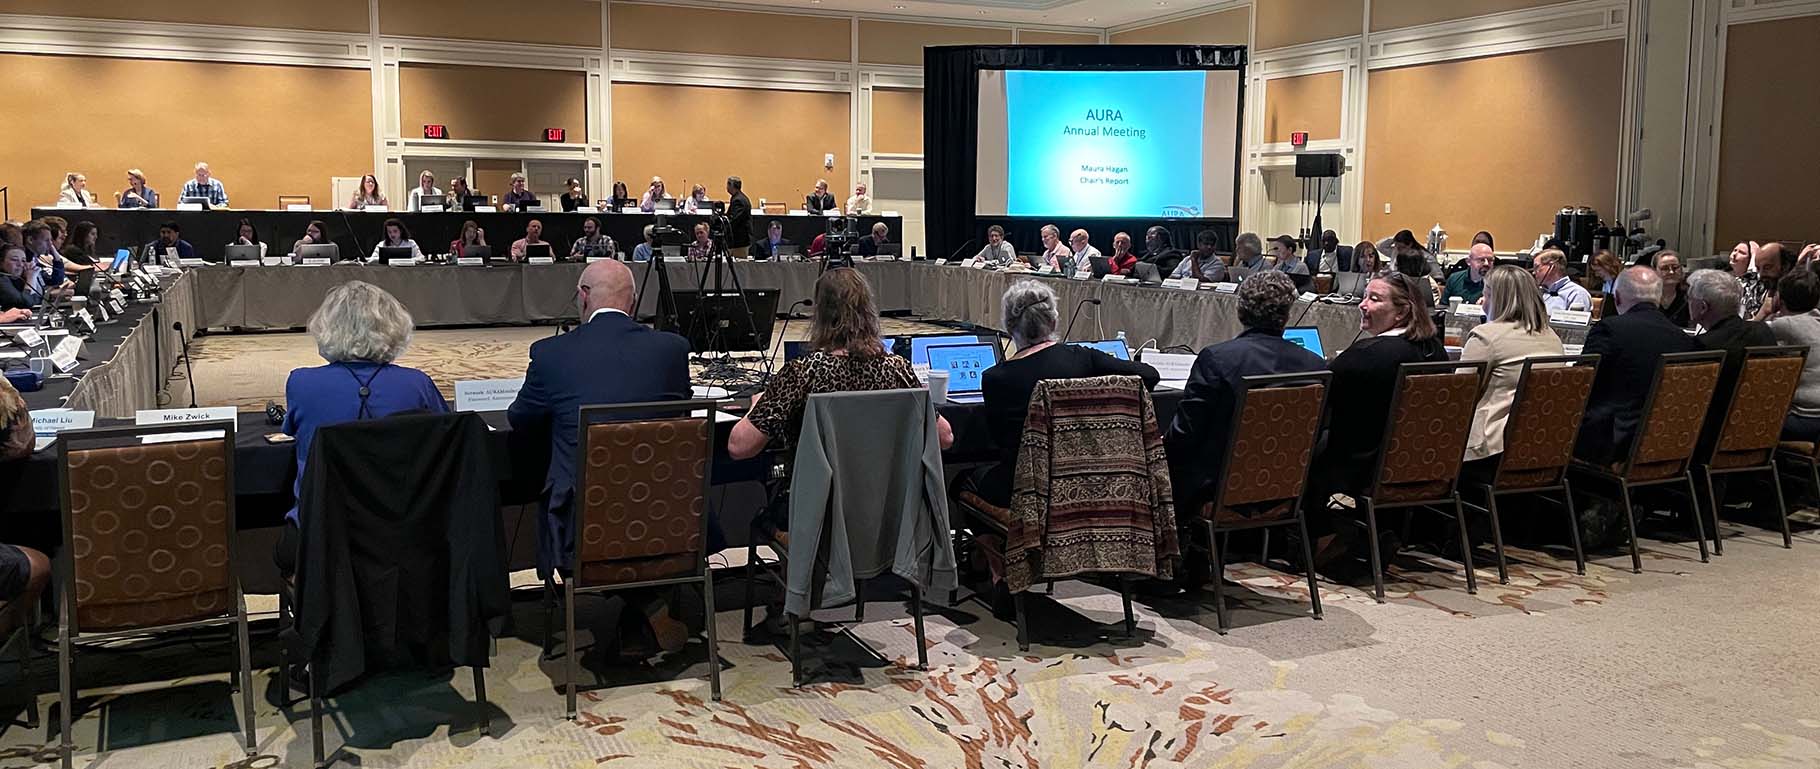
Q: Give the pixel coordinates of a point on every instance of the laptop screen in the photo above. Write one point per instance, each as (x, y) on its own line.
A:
(1306, 337)
(1112, 347)
(122, 258)
(965, 364)
(919, 345)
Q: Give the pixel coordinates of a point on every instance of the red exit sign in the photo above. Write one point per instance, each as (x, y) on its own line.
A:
(1298, 138)
(555, 134)
(435, 131)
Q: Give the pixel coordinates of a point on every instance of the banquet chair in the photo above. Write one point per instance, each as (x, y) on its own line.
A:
(641, 517)
(1668, 430)
(1753, 426)
(148, 544)
(286, 201)
(1418, 465)
(1545, 416)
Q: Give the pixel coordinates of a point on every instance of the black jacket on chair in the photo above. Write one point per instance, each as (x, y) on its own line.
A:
(1731, 334)
(1629, 347)
(401, 559)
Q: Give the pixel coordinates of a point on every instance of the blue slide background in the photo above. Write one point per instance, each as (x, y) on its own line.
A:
(1163, 169)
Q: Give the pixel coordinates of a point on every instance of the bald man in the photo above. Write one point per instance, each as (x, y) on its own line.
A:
(1083, 251)
(1469, 284)
(1631, 345)
(609, 358)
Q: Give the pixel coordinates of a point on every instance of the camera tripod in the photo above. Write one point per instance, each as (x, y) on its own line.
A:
(720, 269)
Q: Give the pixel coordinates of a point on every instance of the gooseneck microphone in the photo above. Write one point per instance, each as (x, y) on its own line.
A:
(189, 369)
(1076, 316)
(957, 252)
(788, 314)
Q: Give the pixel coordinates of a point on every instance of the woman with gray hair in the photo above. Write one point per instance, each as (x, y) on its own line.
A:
(360, 330)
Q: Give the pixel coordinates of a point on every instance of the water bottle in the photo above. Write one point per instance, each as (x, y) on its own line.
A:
(1123, 344)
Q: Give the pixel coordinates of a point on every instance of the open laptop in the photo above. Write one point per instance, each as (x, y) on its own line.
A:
(790, 250)
(1305, 337)
(916, 346)
(1112, 347)
(1350, 283)
(388, 253)
(1101, 266)
(432, 201)
(966, 365)
(123, 261)
(238, 253)
(1238, 274)
(664, 204)
(539, 251)
(483, 253)
(1147, 274)
(328, 251)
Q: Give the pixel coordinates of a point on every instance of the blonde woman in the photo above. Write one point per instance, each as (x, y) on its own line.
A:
(75, 191)
(368, 194)
(1518, 330)
(138, 194)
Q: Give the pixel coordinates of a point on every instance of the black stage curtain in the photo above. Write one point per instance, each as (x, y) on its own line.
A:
(951, 138)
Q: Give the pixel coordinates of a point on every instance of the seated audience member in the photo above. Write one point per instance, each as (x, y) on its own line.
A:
(426, 185)
(608, 359)
(1248, 252)
(643, 252)
(1203, 263)
(1675, 288)
(1483, 237)
(1408, 256)
(138, 194)
(1197, 436)
(533, 237)
(1712, 301)
(820, 202)
(314, 234)
(818, 246)
(593, 243)
(774, 237)
(1160, 250)
(1122, 260)
(368, 194)
(458, 195)
(1397, 312)
(1366, 260)
(1605, 269)
(248, 235)
(75, 191)
(1518, 329)
(1469, 284)
(11, 234)
(48, 277)
(170, 245)
(1630, 345)
(997, 250)
(520, 196)
(1031, 312)
(573, 198)
(698, 200)
(702, 246)
(653, 194)
(1081, 253)
(17, 297)
(1055, 253)
(860, 203)
(1773, 261)
(622, 196)
(79, 255)
(360, 330)
(1799, 324)
(1283, 247)
(397, 236)
(874, 244)
(1559, 291)
(1332, 257)
(205, 185)
(471, 235)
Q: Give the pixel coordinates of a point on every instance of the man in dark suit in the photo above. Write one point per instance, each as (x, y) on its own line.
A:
(820, 201)
(1158, 250)
(1630, 346)
(774, 237)
(739, 219)
(609, 358)
(1713, 298)
(1332, 257)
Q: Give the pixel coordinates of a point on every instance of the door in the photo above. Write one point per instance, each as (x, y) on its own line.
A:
(549, 179)
(900, 191)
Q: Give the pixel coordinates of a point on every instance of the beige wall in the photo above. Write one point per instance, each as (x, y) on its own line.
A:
(897, 121)
(269, 130)
(453, 96)
(1491, 161)
(890, 42)
(1769, 158)
(778, 155)
(1309, 103)
(640, 27)
(1224, 28)
(324, 15)
(1283, 23)
(1044, 37)
(552, 22)
(494, 177)
(1397, 14)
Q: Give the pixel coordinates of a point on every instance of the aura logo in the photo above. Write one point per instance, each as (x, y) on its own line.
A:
(1182, 212)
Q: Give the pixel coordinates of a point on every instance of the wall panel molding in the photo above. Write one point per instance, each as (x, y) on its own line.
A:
(182, 42)
(1179, 16)
(469, 53)
(658, 67)
(1586, 21)
(1747, 11)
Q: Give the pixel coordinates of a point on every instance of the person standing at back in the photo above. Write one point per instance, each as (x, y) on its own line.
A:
(739, 219)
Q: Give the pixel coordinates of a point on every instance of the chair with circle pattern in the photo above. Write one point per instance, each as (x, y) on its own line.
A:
(1668, 431)
(1276, 421)
(641, 516)
(1545, 416)
(148, 533)
(1424, 444)
(1753, 427)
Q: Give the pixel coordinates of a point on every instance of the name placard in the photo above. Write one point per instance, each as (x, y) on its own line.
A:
(103, 309)
(1470, 311)
(65, 362)
(1113, 278)
(192, 262)
(183, 416)
(1225, 288)
(980, 264)
(117, 306)
(274, 261)
(1307, 296)
(189, 206)
(27, 336)
(52, 421)
(297, 207)
(541, 260)
(375, 209)
(315, 261)
(71, 345)
(118, 295)
(243, 262)
(1189, 284)
(593, 259)
(431, 209)
(469, 261)
(403, 262)
(486, 209)
(1170, 366)
(1570, 317)
(487, 394)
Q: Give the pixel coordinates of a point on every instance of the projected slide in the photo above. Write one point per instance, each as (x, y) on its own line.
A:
(1104, 143)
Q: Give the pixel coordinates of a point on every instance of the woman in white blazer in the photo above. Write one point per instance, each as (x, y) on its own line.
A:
(1518, 330)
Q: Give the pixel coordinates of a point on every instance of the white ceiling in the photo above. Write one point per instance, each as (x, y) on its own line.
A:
(1096, 14)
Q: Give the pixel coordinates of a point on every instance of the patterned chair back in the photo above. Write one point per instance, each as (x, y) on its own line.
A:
(1545, 417)
(641, 491)
(147, 529)
(1673, 415)
(1425, 438)
(1753, 423)
(1275, 425)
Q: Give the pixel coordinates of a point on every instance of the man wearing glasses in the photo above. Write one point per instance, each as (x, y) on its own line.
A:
(1559, 291)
